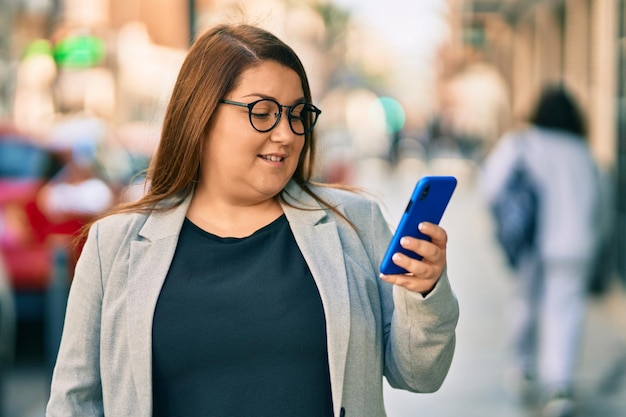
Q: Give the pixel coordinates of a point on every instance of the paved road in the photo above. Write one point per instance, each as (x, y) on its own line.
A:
(474, 387)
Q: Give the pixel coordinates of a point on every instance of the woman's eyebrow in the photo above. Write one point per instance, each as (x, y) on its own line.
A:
(298, 100)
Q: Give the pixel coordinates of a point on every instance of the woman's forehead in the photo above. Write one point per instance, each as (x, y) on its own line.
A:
(269, 78)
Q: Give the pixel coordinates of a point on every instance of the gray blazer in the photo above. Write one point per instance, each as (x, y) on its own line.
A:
(373, 328)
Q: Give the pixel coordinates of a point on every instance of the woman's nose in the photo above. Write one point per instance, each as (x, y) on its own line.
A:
(282, 131)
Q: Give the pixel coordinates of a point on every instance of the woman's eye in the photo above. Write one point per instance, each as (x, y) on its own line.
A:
(260, 115)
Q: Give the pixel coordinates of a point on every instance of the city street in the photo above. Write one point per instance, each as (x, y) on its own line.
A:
(91, 89)
(475, 385)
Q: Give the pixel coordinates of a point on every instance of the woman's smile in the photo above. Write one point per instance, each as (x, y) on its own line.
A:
(273, 157)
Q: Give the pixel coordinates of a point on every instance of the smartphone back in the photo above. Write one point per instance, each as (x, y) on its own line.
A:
(428, 202)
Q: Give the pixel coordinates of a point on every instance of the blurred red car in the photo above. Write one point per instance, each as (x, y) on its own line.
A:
(36, 251)
(27, 236)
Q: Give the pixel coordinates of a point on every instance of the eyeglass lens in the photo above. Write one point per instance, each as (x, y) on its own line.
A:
(265, 114)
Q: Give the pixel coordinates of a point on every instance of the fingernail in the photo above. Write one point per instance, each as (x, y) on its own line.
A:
(420, 226)
(404, 241)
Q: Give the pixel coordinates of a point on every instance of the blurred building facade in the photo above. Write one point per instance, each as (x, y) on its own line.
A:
(581, 43)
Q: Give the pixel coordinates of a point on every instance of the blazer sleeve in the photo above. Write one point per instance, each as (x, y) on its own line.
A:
(76, 388)
(418, 332)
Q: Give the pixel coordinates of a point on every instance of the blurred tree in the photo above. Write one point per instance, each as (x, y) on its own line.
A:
(334, 41)
(341, 71)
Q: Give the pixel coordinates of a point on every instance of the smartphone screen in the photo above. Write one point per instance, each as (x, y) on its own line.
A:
(428, 202)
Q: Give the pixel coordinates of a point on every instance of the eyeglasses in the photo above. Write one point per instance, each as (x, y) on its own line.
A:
(265, 114)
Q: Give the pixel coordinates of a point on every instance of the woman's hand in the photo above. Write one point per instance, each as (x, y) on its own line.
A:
(423, 274)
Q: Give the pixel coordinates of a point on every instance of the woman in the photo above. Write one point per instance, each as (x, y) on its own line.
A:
(236, 286)
(549, 293)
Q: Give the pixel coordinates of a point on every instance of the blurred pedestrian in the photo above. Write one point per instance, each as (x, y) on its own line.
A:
(550, 289)
(236, 286)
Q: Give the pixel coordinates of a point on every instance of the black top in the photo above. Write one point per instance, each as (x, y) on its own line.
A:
(239, 329)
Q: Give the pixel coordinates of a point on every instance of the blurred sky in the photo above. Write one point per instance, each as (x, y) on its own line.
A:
(412, 28)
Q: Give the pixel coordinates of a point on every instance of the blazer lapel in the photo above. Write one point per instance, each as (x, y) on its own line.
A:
(319, 242)
(149, 263)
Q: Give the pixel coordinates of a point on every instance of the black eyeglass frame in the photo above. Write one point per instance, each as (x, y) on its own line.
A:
(249, 106)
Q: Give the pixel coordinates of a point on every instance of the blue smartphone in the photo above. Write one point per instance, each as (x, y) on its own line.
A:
(427, 204)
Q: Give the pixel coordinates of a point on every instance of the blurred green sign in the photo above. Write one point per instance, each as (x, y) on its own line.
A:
(80, 51)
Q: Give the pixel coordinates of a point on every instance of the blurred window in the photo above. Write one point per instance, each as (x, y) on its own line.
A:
(20, 159)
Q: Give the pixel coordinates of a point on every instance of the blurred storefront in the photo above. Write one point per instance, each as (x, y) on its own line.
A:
(581, 43)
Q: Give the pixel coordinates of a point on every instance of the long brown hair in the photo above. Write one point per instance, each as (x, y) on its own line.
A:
(209, 72)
